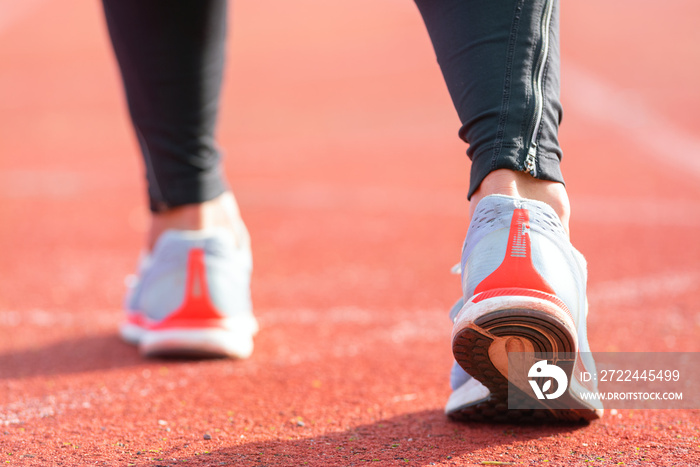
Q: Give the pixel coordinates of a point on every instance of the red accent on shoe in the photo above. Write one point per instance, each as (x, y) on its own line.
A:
(517, 271)
(197, 310)
(135, 318)
(510, 291)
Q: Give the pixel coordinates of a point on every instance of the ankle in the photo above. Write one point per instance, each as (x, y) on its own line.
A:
(522, 185)
(220, 212)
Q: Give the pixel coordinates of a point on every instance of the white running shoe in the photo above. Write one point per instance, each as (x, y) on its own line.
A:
(191, 297)
(524, 288)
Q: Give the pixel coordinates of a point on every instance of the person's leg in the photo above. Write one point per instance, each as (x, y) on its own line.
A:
(523, 283)
(523, 185)
(192, 294)
(171, 56)
(503, 75)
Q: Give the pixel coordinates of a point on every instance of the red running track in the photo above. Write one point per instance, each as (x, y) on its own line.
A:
(342, 148)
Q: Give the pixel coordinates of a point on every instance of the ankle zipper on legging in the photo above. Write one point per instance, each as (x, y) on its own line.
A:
(538, 88)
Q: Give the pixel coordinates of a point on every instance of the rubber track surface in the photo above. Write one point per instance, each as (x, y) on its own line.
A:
(342, 147)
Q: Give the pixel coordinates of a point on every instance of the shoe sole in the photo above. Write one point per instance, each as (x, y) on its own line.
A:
(483, 335)
(220, 342)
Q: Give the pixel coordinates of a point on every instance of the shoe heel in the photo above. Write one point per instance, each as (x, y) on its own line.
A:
(486, 331)
(197, 329)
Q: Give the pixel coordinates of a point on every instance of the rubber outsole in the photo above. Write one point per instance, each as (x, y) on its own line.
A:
(481, 347)
(204, 343)
(236, 343)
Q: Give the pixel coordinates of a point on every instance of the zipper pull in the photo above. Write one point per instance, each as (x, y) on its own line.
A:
(530, 165)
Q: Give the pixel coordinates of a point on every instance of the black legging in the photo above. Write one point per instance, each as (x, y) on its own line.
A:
(499, 58)
(171, 55)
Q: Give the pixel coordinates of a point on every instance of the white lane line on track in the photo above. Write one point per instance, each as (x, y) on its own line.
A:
(57, 184)
(656, 136)
(36, 317)
(635, 289)
(49, 406)
(650, 212)
(14, 11)
(42, 183)
(136, 385)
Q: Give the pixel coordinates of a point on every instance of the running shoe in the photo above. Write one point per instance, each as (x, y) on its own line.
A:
(524, 290)
(191, 297)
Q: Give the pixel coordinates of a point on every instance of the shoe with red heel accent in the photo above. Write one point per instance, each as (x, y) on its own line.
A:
(524, 290)
(191, 297)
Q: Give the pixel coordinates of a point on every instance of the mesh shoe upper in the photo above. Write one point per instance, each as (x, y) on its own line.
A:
(553, 257)
(161, 284)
